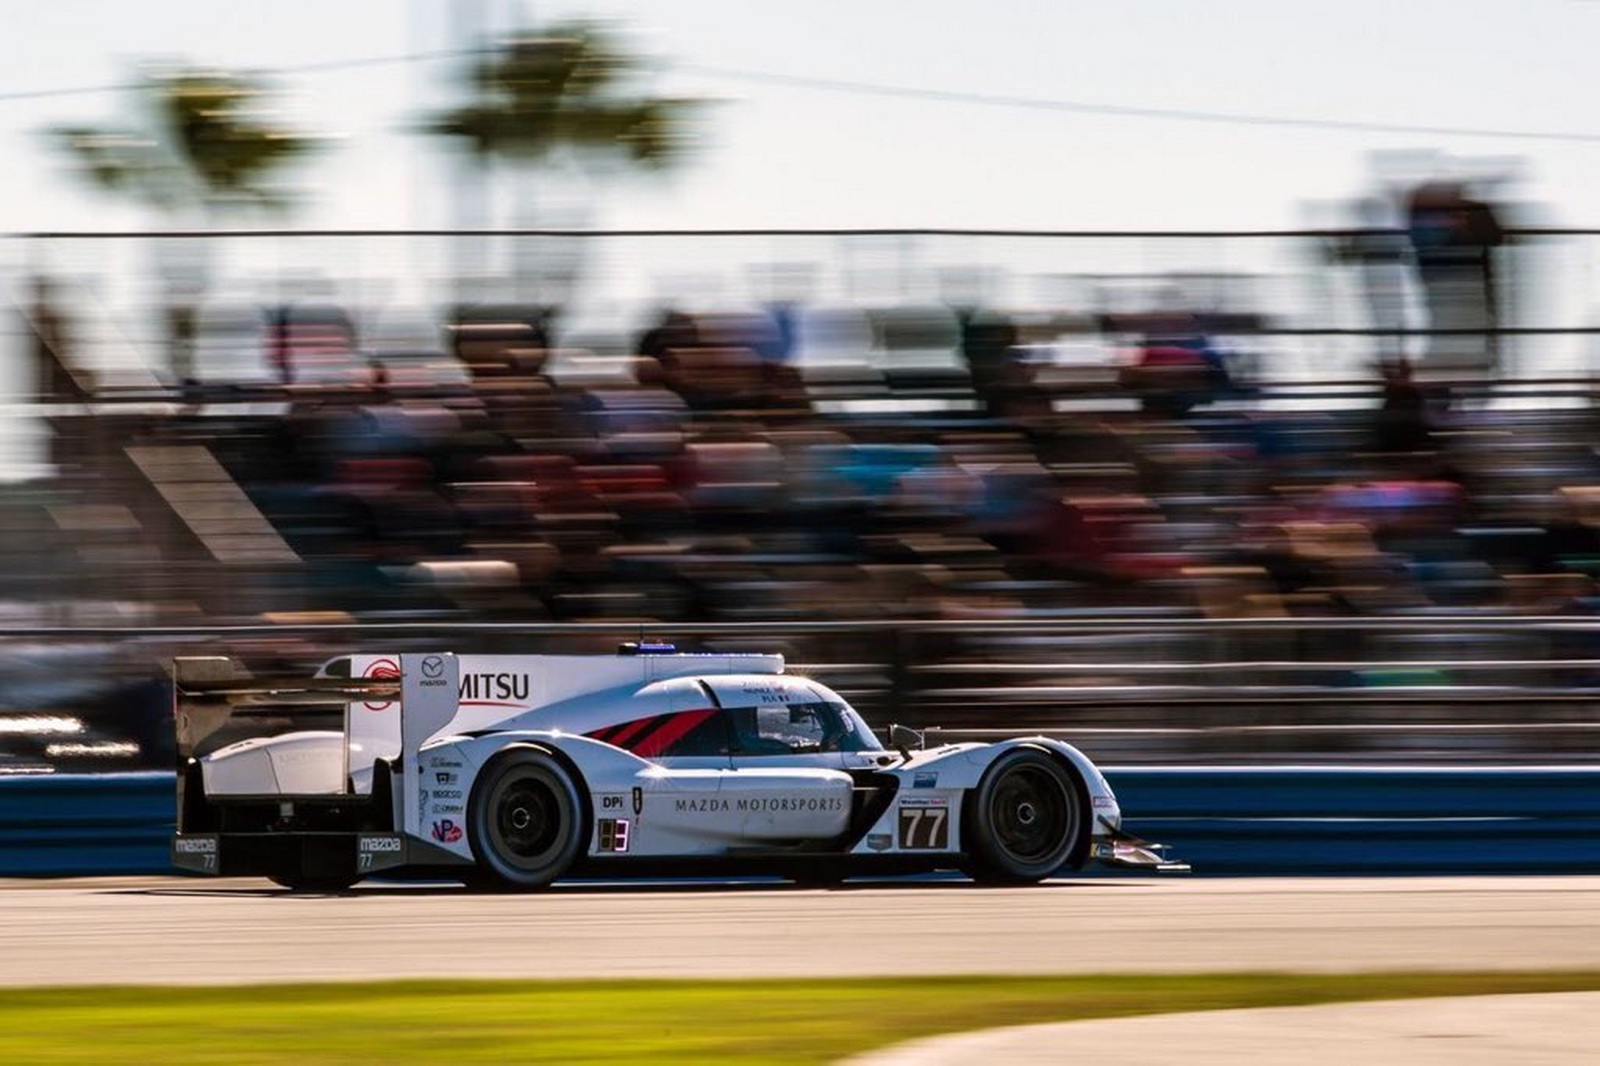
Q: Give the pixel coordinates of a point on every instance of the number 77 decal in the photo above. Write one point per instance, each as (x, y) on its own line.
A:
(924, 826)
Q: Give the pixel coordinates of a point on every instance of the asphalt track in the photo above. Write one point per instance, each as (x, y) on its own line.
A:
(191, 931)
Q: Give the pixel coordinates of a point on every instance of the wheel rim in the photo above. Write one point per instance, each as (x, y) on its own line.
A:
(1032, 813)
(526, 821)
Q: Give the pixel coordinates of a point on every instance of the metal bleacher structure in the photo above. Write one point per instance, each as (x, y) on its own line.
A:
(146, 510)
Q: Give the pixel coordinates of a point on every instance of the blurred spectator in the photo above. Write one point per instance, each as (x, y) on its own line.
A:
(1454, 239)
(1381, 253)
(378, 381)
(1177, 366)
(987, 338)
(672, 333)
(1403, 417)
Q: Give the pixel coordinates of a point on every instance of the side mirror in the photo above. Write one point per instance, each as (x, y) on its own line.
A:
(904, 739)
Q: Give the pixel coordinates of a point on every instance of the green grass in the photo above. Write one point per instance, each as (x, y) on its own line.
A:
(731, 1022)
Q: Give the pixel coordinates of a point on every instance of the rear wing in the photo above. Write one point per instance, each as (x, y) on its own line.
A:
(300, 743)
(210, 691)
(218, 702)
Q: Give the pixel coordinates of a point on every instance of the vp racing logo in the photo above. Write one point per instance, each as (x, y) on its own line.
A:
(381, 670)
(445, 831)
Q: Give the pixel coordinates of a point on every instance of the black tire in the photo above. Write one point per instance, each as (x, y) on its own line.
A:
(527, 819)
(323, 884)
(1026, 820)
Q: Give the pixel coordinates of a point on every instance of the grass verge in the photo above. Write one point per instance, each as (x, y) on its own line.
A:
(731, 1022)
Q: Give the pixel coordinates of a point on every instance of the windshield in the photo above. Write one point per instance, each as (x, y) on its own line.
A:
(801, 728)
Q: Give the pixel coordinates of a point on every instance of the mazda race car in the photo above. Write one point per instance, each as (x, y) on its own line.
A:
(514, 771)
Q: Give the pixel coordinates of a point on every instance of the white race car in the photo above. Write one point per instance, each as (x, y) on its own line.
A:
(514, 771)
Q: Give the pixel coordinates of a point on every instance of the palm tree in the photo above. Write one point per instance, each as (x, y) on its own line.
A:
(566, 100)
(202, 143)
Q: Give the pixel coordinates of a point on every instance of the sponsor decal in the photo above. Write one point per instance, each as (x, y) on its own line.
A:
(195, 853)
(442, 762)
(445, 831)
(638, 801)
(704, 805)
(433, 672)
(925, 779)
(612, 803)
(924, 824)
(613, 835)
(880, 841)
(777, 690)
(444, 778)
(1104, 801)
(494, 689)
(381, 670)
(761, 804)
(369, 848)
(447, 801)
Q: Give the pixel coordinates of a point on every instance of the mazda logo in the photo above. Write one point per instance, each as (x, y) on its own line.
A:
(433, 666)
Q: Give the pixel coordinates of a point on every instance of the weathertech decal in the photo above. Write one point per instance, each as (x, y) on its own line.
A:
(648, 737)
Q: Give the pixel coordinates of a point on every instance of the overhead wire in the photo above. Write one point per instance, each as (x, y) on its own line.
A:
(913, 92)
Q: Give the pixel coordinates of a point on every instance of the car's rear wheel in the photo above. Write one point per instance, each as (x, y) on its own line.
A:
(1025, 820)
(526, 814)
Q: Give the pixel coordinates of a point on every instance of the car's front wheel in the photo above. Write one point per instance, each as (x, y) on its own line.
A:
(526, 815)
(1025, 820)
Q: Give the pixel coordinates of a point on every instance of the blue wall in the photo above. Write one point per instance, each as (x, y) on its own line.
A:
(68, 824)
(1378, 820)
(1266, 820)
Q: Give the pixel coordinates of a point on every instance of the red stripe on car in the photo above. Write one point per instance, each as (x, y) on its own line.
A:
(674, 729)
(605, 732)
(630, 730)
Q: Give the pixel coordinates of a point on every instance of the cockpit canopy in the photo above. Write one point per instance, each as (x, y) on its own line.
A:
(784, 714)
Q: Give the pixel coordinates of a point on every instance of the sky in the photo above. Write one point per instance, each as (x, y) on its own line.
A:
(785, 156)
(782, 155)
(788, 156)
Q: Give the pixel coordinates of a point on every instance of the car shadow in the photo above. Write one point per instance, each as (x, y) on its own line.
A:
(675, 886)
